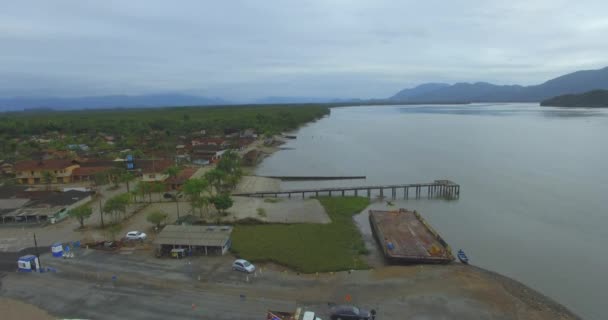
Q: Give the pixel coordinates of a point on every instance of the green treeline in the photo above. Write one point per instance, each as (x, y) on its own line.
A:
(176, 120)
(591, 99)
(141, 130)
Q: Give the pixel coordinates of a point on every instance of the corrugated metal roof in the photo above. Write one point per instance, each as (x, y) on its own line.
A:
(209, 236)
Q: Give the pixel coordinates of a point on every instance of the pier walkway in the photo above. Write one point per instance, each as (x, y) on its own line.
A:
(437, 189)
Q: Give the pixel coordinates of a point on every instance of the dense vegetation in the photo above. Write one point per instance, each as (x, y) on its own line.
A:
(308, 247)
(182, 120)
(156, 129)
(591, 99)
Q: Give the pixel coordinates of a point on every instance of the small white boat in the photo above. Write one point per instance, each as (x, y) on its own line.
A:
(462, 257)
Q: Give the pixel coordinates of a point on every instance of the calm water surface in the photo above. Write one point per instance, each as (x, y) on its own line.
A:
(534, 183)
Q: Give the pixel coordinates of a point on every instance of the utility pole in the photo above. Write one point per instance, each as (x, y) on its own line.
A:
(101, 212)
(37, 254)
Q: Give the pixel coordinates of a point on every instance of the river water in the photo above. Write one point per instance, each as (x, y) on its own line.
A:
(534, 183)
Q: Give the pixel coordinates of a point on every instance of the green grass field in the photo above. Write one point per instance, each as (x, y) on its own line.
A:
(307, 247)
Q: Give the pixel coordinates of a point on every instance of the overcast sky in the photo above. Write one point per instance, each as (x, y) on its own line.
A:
(248, 49)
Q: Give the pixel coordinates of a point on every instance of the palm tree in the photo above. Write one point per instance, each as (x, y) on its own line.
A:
(194, 190)
(172, 171)
(157, 187)
(48, 178)
(126, 176)
(216, 178)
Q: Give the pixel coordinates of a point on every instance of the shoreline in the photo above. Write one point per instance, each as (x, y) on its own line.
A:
(532, 297)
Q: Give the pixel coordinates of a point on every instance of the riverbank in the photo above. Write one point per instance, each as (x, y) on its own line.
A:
(461, 222)
(515, 212)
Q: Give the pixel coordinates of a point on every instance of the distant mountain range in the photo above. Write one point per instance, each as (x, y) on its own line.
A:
(577, 82)
(591, 99)
(285, 100)
(105, 102)
(573, 83)
(142, 101)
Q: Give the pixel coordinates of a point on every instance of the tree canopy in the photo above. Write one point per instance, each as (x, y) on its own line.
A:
(156, 217)
(81, 213)
(222, 202)
(116, 205)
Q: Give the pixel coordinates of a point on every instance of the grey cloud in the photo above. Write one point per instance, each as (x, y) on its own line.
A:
(248, 49)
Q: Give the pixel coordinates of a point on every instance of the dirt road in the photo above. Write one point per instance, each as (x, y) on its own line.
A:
(206, 288)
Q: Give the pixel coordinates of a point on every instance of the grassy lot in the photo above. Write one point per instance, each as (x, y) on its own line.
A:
(308, 247)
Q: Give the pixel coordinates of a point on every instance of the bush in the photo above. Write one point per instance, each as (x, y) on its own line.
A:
(222, 202)
(261, 212)
(156, 218)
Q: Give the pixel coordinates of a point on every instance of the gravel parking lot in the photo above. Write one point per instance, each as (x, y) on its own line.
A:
(132, 284)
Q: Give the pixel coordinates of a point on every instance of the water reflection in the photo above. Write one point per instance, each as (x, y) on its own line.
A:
(508, 110)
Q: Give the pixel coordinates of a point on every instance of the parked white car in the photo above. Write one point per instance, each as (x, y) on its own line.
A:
(243, 266)
(136, 235)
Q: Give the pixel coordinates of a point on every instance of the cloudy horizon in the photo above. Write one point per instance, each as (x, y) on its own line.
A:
(328, 49)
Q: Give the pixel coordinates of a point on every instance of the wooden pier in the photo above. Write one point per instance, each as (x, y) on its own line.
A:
(312, 178)
(438, 189)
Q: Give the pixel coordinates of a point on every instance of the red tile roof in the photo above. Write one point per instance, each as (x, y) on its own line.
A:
(182, 177)
(89, 171)
(37, 165)
(153, 166)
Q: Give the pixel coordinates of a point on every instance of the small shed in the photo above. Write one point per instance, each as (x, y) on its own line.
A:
(57, 249)
(28, 263)
(198, 240)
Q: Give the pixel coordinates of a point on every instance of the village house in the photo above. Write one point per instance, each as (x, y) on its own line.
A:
(199, 240)
(243, 143)
(231, 133)
(248, 133)
(91, 167)
(36, 207)
(219, 142)
(81, 147)
(176, 183)
(181, 149)
(32, 171)
(58, 154)
(153, 170)
(205, 154)
(6, 168)
(84, 174)
(182, 158)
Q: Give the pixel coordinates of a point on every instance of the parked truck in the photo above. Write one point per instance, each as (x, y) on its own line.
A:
(299, 314)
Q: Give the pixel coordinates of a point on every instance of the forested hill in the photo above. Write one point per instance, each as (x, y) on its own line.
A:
(591, 99)
(106, 102)
(572, 83)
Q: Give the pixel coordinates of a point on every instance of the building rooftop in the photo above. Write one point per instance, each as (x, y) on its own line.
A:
(152, 166)
(35, 165)
(88, 171)
(182, 177)
(208, 236)
(11, 192)
(49, 205)
(60, 198)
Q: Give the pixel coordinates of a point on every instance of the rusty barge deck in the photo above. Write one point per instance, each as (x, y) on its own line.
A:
(404, 236)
